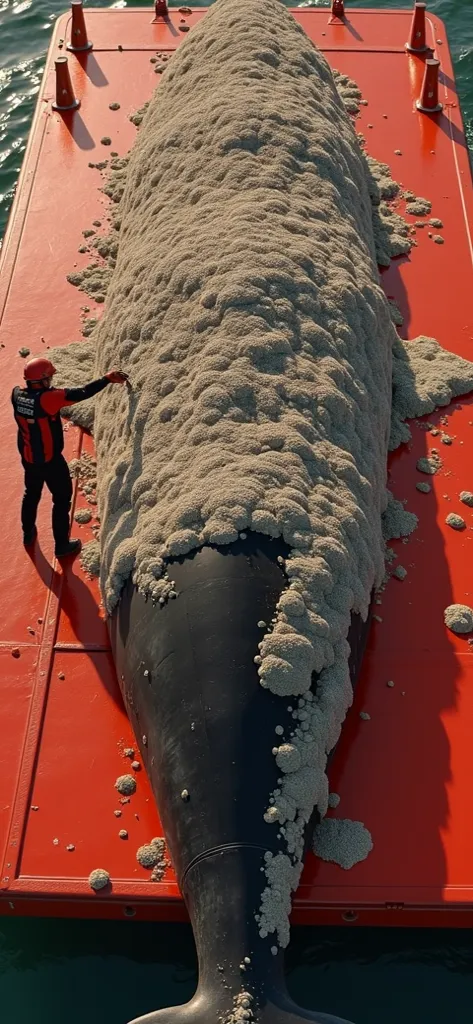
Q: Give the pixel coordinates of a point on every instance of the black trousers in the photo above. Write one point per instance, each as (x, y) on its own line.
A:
(56, 476)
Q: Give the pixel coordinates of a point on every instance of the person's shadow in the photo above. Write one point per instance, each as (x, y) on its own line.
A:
(76, 602)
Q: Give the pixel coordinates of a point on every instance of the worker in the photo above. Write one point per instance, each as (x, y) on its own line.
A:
(41, 441)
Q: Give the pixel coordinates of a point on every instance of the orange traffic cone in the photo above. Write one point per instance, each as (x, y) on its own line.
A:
(160, 9)
(79, 41)
(428, 101)
(417, 42)
(65, 99)
(338, 9)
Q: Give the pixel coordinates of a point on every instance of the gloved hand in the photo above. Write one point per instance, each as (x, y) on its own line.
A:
(116, 376)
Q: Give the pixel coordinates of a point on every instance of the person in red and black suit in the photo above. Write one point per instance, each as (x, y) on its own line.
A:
(41, 441)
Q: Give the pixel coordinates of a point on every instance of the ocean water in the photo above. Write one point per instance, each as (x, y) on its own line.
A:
(99, 972)
(88, 972)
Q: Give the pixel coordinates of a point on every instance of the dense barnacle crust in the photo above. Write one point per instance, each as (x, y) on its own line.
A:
(151, 854)
(248, 322)
(99, 879)
(126, 785)
(343, 841)
(425, 376)
(459, 618)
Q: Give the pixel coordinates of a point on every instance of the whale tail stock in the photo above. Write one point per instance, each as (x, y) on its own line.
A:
(190, 686)
(241, 976)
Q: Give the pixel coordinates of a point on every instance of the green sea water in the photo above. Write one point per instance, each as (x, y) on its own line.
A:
(84, 972)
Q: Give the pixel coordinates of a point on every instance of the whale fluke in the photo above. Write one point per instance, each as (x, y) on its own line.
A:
(200, 1011)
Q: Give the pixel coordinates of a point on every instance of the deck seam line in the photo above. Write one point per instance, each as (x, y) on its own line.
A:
(25, 213)
(460, 187)
(18, 817)
(322, 48)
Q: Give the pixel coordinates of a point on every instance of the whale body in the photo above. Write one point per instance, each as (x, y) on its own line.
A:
(241, 481)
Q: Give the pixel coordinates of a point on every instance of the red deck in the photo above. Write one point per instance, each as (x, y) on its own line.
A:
(405, 773)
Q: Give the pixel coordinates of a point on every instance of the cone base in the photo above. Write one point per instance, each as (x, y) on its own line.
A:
(80, 49)
(429, 110)
(418, 49)
(71, 106)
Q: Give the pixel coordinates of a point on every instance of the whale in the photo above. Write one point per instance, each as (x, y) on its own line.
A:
(241, 475)
(189, 682)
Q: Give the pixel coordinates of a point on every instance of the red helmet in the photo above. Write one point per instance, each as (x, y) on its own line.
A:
(39, 368)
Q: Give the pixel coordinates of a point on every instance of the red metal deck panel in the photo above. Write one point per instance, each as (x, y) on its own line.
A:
(76, 797)
(406, 772)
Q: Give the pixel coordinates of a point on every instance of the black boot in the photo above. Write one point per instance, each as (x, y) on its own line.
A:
(71, 547)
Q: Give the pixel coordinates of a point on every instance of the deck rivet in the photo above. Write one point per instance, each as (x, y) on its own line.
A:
(79, 42)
